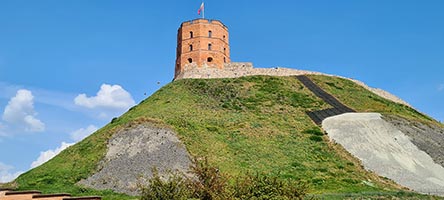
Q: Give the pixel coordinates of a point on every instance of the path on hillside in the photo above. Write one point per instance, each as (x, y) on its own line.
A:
(386, 150)
(318, 116)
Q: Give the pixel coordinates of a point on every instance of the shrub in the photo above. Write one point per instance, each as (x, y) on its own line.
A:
(174, 188)
(210, 184)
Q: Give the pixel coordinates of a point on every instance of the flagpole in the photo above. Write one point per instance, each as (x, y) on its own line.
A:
(202, 9)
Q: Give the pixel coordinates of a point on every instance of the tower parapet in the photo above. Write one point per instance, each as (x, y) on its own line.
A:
(202, 43)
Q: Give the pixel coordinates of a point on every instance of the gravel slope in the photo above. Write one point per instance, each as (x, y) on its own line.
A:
(427, 137)
(133, 153)
(386, 150)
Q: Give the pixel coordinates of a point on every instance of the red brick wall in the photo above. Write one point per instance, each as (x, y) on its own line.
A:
(219, 40)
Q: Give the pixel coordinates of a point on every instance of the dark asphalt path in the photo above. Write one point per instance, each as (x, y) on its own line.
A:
(318, 116)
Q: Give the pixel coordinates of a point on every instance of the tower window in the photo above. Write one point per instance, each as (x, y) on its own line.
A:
(190, 60)
(191, 34)
(210, 33)
(225, 60)
(224, 37)
(225, 49)
(191, 47)
(209, 59)
(209, 47)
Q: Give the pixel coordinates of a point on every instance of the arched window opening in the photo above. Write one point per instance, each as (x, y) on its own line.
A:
(225, 49)
(191, 34)
(190, 60)
(224, 37)
(210, 33)
(191, 47)
(209, 46)
(209, 59)
(225, 60)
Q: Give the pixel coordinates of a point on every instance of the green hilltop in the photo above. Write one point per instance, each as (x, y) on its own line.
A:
(249, 124)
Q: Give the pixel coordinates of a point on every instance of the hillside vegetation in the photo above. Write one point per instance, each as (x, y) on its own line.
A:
(364, 101)
(243, 125)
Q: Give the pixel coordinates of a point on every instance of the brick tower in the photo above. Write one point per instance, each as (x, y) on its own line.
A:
(202, 43)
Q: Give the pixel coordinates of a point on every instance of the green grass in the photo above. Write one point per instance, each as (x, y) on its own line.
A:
(251, 124)
(61, 173)
(362, 100)
(375, 195)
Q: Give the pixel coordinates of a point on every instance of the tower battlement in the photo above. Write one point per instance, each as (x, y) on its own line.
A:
(202, 43)
(205, 21)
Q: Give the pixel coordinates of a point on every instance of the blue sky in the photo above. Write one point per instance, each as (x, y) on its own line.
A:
(69, 67)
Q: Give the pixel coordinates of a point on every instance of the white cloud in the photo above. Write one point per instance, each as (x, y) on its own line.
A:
(20, 112)
(109, 96)
(76, 135)
(48, 97)
(440, 87)
(82, 133)
(6, 175)
(47, 155)
(34, 125)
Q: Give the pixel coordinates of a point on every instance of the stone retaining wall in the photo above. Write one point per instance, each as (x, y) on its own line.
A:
(241, 69)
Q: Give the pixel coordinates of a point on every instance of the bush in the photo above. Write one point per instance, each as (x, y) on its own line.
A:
(114, 120)
(210, 184)
(174, 188)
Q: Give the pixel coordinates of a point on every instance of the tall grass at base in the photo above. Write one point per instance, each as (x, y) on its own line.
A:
(210, 184)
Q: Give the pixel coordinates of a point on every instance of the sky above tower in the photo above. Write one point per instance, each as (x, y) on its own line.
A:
(68, 67)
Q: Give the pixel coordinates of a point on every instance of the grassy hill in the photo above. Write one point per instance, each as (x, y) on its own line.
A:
(249, 124)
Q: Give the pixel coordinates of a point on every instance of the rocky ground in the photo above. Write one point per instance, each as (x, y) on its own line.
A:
(132, 155)
(427, 137)
(389, 151)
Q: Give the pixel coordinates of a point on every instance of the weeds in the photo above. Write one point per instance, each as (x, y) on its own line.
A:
(175, 187)
(268, 187)
(210, 184)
